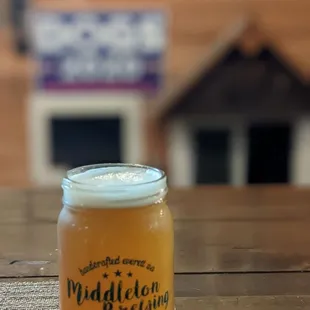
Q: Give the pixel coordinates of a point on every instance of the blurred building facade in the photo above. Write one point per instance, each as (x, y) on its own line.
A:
(241, 118)
(236, 73)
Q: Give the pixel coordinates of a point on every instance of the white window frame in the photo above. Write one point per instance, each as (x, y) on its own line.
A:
(181, 151)
(300, 153)
(43, 106)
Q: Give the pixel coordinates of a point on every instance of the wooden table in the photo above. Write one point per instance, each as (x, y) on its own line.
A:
(245, 248)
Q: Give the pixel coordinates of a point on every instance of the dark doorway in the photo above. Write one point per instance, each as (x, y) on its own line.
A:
(212, 151)
(269, 152)
(83, 141)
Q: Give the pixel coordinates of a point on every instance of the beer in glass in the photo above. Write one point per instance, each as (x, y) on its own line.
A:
(115, 238)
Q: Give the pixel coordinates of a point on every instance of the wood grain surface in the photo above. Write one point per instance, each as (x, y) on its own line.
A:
(235, 248)
(216, 229)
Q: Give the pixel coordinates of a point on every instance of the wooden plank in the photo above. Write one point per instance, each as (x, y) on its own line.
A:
(196, 286)
(276, 9)
(241, 246)
(234, 239)
(209, 16)
(242, 284)
(249, 303)
(13, 92)
(220, 285)
(13, 204)
(218, 203)
(22, 269)
(180, 56)
(28, 242)
(273, 6)
(269, 301)
(45, 204)
(190, 36)
(229, 203)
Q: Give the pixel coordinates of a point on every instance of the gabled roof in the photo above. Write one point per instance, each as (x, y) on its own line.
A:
(247, 36)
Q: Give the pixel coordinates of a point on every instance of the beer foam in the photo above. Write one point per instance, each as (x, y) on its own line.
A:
(114, 186)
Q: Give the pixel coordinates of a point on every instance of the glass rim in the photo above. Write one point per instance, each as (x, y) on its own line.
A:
(68, 180)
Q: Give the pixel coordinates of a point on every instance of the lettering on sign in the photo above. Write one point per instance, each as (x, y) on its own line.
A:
(102, 48)
(121, 286)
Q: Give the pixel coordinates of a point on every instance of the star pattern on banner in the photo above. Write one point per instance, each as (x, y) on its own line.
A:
(117, 273)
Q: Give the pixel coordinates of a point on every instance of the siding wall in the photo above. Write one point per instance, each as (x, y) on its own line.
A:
(194, 27)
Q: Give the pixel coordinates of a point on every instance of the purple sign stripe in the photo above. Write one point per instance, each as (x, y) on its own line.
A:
(99, 86)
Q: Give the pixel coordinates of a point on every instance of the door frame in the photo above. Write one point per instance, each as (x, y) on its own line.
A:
(181, 148)
(181, 152)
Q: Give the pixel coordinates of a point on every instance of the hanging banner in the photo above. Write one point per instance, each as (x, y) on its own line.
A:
(99, 50)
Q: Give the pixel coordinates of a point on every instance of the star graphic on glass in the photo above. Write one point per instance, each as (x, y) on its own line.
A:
(129, 274)
(118, 273)
(105, 275)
